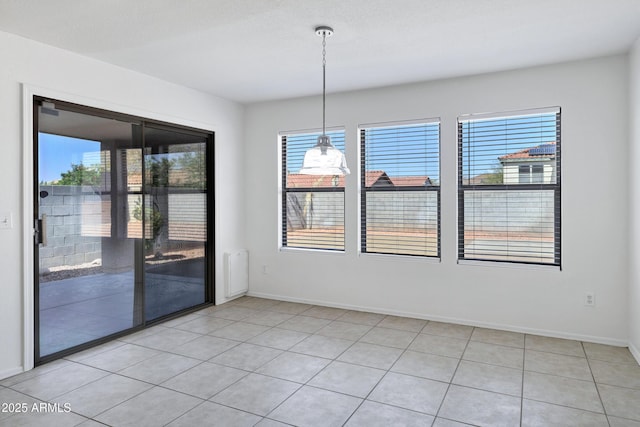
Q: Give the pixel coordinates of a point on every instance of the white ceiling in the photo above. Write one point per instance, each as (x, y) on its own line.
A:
(256, 50)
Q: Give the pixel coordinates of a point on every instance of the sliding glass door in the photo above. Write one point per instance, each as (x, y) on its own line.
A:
(122, 224)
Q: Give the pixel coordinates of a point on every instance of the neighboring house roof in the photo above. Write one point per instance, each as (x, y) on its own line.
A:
(414, 181)
(374, 178)
(296, 180)
(478, 179)
(539, 152)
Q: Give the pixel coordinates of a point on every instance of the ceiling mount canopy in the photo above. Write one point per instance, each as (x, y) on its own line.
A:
(324, 158)
(324, 31)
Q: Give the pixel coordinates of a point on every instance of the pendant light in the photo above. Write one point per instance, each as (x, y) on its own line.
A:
(324, 158)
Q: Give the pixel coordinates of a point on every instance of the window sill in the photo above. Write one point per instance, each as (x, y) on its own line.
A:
(285, 249)
(512, 265)
(401, 257)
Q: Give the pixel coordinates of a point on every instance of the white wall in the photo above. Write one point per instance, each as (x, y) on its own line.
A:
(634, 159)
(593, 97)
(84, 80)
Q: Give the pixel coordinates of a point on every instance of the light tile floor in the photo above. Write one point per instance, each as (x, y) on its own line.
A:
(268, 363)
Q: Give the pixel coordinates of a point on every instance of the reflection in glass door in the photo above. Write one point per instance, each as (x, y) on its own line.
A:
(175, 210)
(121, 225)
(86, 269)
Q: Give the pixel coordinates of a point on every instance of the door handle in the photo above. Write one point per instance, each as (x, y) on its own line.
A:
(40, 230)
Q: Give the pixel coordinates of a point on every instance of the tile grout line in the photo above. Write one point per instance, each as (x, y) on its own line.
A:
(91, 382)
(254, 371)
(247, 371)
(172, 390)
(335, 359)
(69, 391)
(143, 391)
(354, 343)
(595, 384)
(261, 308)
(387, 371)
(444, 397)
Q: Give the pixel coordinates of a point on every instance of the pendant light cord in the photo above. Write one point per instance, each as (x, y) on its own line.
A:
(324, 67)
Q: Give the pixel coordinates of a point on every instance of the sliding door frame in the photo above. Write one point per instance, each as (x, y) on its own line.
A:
(30, 96)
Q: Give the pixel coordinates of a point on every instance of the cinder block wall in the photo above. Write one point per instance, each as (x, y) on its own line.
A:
(68, 242)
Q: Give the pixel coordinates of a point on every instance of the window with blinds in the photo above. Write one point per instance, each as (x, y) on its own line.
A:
(312, 205)
(400, 188)
(509, 187)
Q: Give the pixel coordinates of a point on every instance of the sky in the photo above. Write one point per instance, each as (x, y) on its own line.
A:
(411, 150)
(57, 153)
(485, 141)
(399, 150)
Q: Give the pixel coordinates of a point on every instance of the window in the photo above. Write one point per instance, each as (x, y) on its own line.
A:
(530, 174)
(312, 205)
(400, 188)
(509, 187)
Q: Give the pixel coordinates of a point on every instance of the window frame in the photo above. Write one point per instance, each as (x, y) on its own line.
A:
(283, 240)
(364, 190)
(556, 186)
(534, 174)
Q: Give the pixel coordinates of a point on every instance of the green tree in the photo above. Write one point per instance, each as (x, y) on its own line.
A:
(193, 166)
(152, 217)
(80, 175)
(158, 171)
(495, 177)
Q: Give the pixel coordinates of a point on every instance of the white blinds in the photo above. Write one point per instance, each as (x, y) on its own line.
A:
(400, 181)
(312, 205)
(509, 187)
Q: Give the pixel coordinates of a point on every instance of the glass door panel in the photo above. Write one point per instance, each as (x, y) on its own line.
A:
(175, 213)
(86, 284)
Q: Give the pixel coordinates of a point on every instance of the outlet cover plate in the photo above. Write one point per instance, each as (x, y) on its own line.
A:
(6, 220)
(590, 299)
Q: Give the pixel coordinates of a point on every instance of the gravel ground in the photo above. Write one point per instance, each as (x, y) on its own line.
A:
(67, 271)
(52, 276)
(95, 267)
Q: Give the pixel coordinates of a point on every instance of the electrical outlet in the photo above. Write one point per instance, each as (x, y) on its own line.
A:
(6, 220)
(264, 269)
(590, 299)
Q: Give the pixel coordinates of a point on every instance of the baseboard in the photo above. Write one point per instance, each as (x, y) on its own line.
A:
(11, 372)
(635, 352)
(459, 321)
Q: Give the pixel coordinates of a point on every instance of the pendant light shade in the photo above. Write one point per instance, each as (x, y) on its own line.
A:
(324, 158)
